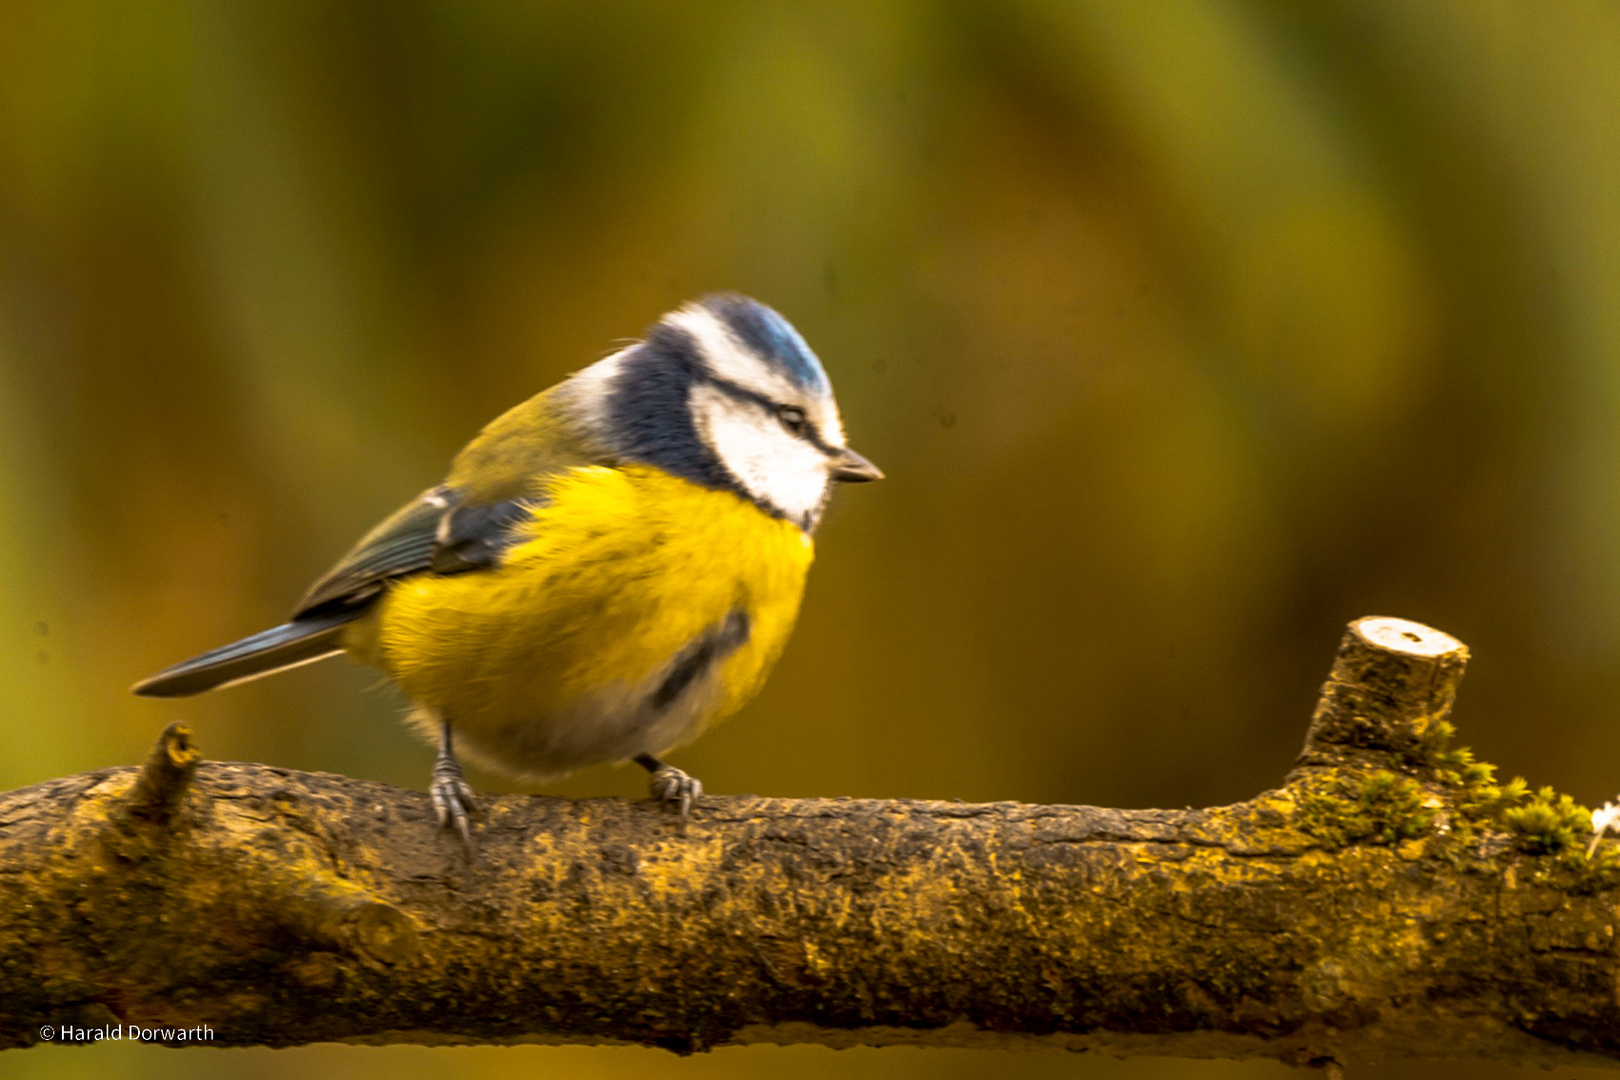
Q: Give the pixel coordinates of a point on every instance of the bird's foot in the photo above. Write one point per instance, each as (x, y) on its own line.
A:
(453, 797)
(673, 787)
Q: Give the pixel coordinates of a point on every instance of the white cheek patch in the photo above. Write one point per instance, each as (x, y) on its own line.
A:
(772, 465)
(727, 357)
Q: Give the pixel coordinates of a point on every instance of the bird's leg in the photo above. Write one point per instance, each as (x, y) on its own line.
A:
(670, 785)
(452, 797)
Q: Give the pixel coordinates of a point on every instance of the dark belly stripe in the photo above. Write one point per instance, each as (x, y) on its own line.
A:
(699, 656)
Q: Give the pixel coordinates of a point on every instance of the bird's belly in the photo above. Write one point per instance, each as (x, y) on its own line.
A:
(639, 608)
(540, 742)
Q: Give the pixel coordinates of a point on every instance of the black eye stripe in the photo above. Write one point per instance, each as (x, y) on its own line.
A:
(741, 393)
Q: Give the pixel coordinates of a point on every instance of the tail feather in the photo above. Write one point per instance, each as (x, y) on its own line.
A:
(301, 641)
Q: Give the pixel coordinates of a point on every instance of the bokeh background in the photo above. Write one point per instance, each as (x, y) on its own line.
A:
(1187, 330)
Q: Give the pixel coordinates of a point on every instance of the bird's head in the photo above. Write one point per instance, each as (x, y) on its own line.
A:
(724, 392)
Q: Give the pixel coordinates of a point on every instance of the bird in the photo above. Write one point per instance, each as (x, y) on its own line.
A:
(606, 569)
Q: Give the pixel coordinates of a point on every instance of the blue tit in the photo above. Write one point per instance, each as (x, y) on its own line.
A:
(608, 568)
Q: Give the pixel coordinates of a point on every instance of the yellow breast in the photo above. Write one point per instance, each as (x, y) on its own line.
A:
(557, 657)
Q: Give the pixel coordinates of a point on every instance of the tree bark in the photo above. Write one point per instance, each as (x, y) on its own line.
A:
(1390, 900)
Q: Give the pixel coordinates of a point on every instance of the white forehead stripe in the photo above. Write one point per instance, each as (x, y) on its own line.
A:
(828, 422)
(729, 358)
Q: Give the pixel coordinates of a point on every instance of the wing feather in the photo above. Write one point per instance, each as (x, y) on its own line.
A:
(467, 522)
(433, 533)
(402, 544)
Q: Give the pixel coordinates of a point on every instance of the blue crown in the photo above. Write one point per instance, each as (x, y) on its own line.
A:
(771, 337)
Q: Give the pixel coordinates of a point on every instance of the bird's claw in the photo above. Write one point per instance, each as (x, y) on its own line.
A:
(453, 799)
(672, 787)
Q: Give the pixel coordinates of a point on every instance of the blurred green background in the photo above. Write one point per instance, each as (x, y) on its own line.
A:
(1187, 330)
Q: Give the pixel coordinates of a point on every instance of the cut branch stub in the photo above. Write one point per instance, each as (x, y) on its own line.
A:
(1392, 683)
(168, 772)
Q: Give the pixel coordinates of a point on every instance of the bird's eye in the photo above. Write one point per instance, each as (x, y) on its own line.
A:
(792, 418)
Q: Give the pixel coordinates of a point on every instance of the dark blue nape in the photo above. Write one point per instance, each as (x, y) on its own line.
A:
(771, 337)
(651, 420)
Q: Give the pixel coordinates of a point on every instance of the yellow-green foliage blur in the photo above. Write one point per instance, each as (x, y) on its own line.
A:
(1186, 330)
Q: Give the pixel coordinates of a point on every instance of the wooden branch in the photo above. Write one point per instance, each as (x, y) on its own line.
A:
(1389, 900)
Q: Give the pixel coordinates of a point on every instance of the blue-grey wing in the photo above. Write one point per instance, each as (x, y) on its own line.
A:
(434, 533)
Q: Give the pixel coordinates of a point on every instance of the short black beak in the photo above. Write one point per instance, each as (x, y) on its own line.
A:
(851, 468)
